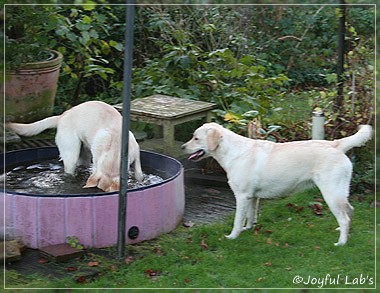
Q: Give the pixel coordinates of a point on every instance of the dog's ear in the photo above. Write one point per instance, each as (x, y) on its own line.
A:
(92, 181)
(213, 138)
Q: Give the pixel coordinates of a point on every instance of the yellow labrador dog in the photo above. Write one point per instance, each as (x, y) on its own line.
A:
(91, 126)
(263, 169)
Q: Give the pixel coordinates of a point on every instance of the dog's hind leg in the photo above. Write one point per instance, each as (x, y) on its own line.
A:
(337, 200)
(349, 210)
(139, 175)
(69, 146)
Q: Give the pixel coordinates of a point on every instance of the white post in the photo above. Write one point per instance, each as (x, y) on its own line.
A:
(318, 128)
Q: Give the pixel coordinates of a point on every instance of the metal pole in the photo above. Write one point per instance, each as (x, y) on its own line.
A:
(341, 52)
(127, 81)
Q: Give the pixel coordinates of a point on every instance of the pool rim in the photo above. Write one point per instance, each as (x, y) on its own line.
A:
(98, 194)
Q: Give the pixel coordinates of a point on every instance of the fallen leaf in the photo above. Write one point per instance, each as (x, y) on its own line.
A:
(203, 244)
(42, 260)
(113, 268)
(317, 247)
(269, 231)
(187, 280)
(129, 259)
(269, 241)
(150, 273)
(93, 264)
(157, 250)
(299, 209)
(268, 264)
(81, 279)
(295, 207)
(286, 245)
(317, 208)
(257, 229)
(189, 240)
(71, 269)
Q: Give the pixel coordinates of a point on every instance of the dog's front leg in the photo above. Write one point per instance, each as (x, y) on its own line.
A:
(242, 206)
(252, 212)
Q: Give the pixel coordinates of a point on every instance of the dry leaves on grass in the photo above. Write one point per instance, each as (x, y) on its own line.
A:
(129, 259)
(81, 279)
(204, 245)
(294, 207)
(152, 274)
(317, 208)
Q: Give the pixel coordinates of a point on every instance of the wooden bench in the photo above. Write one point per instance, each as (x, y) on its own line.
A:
(167, 112)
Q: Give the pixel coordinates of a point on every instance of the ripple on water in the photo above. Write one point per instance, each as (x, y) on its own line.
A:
(48, 177)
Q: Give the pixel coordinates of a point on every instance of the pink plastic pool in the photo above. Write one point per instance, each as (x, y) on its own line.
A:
(41, 220)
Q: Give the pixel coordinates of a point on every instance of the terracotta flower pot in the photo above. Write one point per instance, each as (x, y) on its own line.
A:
(30, 90)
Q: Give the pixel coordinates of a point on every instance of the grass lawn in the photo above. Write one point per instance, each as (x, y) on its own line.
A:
(291, 248)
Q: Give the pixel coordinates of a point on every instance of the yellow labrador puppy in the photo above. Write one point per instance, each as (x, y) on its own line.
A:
(263, 169)
(96, 127)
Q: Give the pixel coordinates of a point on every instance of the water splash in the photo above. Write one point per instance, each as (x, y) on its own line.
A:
(48, 177)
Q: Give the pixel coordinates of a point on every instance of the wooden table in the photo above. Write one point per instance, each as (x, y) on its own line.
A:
(167, 112)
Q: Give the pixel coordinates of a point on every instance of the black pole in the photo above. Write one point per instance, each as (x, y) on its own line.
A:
(127, 81)
(341, 52)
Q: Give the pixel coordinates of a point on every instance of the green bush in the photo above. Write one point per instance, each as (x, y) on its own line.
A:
(246, 59)
(91, 39)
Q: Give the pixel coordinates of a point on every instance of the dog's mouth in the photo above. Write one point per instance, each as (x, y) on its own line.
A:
(197, 155)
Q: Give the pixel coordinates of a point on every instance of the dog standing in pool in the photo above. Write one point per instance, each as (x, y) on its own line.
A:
(263, 169)
(93, 127)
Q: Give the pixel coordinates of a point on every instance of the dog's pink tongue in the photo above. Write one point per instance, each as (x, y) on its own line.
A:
(195, 155)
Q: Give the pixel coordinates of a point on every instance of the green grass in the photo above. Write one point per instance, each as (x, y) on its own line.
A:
(296, 106)
(290, 241)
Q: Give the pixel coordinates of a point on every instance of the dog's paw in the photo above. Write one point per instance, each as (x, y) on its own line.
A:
(249, 227)
(231, 236)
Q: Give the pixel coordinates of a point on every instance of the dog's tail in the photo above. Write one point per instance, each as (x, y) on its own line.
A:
(358, 139)
(33, 128)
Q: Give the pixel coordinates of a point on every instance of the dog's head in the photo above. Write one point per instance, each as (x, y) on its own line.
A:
(205, 141)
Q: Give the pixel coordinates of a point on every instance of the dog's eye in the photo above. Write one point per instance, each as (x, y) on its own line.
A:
(196, 138)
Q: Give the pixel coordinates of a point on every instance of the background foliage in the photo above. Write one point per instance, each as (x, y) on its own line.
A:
(246, 59)
(274, 64)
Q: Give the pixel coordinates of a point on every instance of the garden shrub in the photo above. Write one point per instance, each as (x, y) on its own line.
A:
(249, 60)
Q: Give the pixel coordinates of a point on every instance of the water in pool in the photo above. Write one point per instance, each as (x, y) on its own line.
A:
(47, 177)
